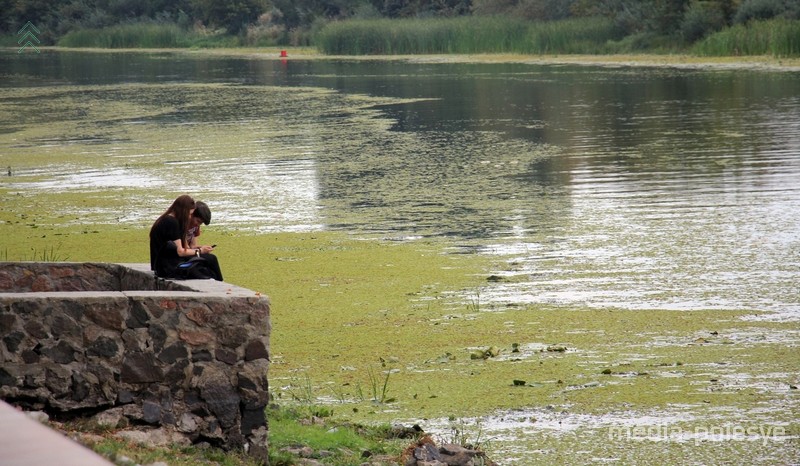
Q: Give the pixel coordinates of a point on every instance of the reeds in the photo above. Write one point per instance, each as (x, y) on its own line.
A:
(144, 35)
(779, 38)
(464, 35)
(461, 35)
(581, 35)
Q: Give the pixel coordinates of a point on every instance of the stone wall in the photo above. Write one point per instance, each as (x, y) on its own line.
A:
(189, 356)
(26, 277)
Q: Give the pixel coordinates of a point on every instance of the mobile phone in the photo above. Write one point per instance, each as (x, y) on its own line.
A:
(213, 245)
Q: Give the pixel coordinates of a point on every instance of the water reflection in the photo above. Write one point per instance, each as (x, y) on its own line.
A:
(604, 187)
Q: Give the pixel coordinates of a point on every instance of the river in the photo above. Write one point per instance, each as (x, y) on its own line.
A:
(601, 186)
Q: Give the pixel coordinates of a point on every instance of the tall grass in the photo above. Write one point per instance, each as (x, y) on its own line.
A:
(464, 35)
(144, 35)
(779, 38)
(580, 35)
(412, 36)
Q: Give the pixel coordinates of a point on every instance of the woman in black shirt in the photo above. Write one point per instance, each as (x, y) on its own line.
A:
(168, 243)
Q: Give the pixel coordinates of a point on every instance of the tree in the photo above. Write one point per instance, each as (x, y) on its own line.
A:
(493, 7)
(233, 15)
(332, 9)
(751, 10)
(126, 9)
(543, 10)
(419, 8)
(41, 13)
(701, 19)
(288, 13)
(636, 16)
(172, 7)
(667, 15)
(7, 16)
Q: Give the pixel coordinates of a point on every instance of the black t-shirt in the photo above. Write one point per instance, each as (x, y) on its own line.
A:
(164, 257)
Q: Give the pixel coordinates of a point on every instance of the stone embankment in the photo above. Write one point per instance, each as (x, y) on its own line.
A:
(188, 357)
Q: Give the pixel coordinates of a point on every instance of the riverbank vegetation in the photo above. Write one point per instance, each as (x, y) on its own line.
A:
(493, 34)
(145, 35)
(702, 27)
(591, 35)
(294, 433)
(778, 38)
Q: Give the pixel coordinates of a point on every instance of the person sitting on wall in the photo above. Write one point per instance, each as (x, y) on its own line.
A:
(170, 254)
(200, 216)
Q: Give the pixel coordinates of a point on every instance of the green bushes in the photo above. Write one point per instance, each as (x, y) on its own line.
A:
(464, 35)
(779, 38)
(144, 35)
(700, 20)
(290, 427)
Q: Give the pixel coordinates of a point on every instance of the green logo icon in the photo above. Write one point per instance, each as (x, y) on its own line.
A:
(28, 37)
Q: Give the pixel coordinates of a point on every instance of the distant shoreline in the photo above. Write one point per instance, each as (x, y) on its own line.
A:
(767, 63)
(649, 60)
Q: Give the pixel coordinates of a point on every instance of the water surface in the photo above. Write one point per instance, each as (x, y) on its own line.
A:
(604, 187)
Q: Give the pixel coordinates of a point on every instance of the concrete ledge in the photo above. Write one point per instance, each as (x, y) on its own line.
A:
(199, 286)
(26, 442)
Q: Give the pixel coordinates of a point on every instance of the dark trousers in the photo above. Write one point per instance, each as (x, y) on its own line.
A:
(213, 264)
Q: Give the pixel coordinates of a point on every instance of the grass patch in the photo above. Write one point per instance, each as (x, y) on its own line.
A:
(291, 428)
(126, 453)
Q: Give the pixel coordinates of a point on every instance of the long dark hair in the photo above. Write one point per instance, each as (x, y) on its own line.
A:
(181, 209)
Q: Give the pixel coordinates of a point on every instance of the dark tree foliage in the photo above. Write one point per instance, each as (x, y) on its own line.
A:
(637, 16)
(536, 10)
(423, 8)
(233, 15)
(41, 13)
(293, 14)
(703, 18)
(751, 10)
(340, 8)
(493, 7)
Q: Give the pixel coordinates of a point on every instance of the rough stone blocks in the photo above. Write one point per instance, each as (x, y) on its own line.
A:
(191, 356)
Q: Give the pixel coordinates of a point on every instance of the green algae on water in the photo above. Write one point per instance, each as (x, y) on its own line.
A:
(372, 329)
